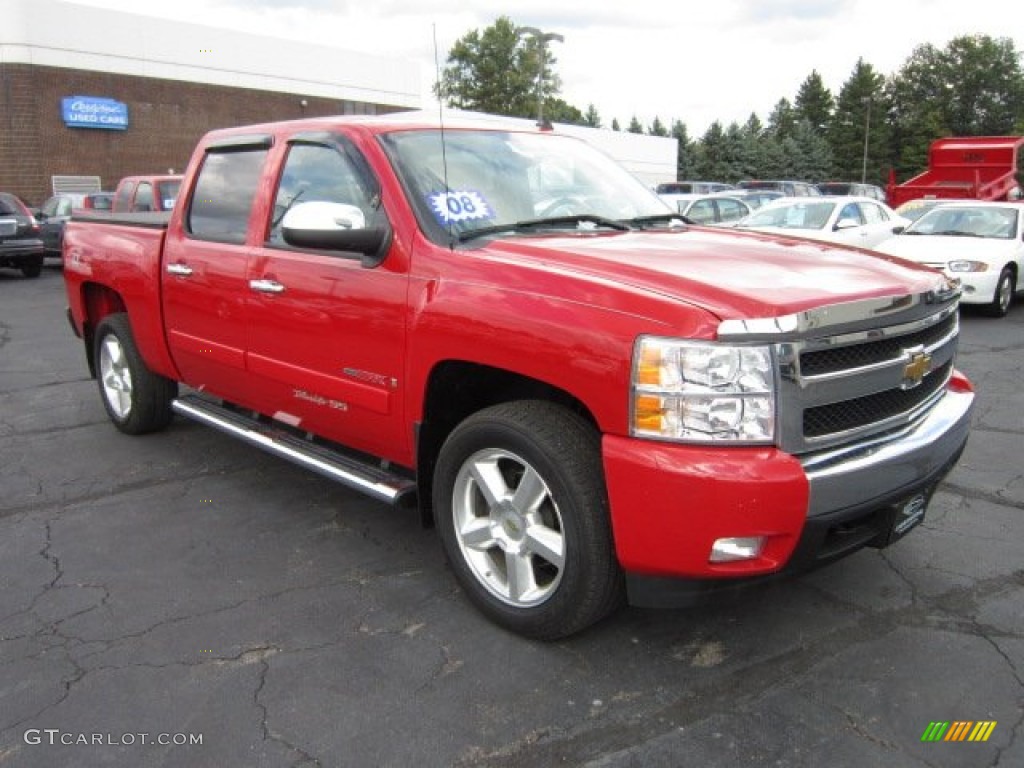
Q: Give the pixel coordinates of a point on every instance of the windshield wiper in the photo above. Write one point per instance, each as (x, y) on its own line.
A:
(956, 233)
(659, 218)
(555, 222)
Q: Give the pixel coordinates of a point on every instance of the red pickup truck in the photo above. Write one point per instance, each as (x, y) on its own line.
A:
(592, 400)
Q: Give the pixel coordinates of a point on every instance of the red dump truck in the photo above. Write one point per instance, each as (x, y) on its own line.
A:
(966, 167)
(586, 395)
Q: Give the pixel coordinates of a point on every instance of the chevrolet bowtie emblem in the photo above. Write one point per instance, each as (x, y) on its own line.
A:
(914, 371)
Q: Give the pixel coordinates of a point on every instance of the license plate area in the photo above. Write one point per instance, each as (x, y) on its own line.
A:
(903, 516)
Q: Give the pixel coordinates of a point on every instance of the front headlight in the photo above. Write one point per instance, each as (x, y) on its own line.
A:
(701, 392)
(963, 265)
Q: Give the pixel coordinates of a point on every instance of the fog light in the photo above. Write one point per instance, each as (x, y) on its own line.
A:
(740, 548)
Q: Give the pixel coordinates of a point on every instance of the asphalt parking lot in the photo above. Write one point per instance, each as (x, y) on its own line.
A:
(182, 587)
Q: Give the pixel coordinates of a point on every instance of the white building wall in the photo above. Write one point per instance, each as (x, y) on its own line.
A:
(57, 34)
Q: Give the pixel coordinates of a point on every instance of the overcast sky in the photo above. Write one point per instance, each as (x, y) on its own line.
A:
(674, 59)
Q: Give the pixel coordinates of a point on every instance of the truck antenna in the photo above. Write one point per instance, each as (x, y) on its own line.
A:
(444, 155)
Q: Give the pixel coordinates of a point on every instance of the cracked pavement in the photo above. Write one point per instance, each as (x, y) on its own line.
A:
(183, 583)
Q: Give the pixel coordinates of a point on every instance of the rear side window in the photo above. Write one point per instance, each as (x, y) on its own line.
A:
(144, 198)
(124, 196)
(224, 193)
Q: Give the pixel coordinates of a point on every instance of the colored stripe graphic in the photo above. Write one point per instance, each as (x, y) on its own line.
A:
(959, 730)
(982, 730)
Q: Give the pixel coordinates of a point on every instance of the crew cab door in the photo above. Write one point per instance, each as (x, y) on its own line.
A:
(327, 330)
(205, 286)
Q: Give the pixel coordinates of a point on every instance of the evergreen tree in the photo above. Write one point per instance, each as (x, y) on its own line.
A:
(634, 126)
(657, 128)
(685, 151)
(782, 120)
(591, 117)
(615, 124)
(859, 133)
(814, 103)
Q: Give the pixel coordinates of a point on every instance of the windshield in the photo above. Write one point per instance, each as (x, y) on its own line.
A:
(498, 179)
(793, 216)
(967, 221)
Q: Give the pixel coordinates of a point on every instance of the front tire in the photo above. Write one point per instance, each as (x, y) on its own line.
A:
(521, 508)
(32, 267)
(136, 399)
(1003, 297)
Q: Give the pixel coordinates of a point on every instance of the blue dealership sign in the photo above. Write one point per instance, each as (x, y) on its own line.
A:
(92, 112)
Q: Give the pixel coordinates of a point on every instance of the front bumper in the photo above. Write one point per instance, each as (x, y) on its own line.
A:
(670, 503)
(14, 252)
(976, 287)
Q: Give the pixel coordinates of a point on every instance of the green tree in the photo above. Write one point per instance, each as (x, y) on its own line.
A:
(634, 126)
(782, 120)
(713, 154)
(861, 118)
(496, 71)
(685, 151)
(814, 102)
(657, 128)
(559, 111)
(591, 117)
(973, 87)
(615, 124)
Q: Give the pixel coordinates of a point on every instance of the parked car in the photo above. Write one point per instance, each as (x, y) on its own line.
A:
(146, 193)
(915, 209)
(710, 210)
(21, 247)
(692, 187)
(979, 243)
(858, 221)
(56, 211)
(788, 188)
(755, 198)
(848, 188)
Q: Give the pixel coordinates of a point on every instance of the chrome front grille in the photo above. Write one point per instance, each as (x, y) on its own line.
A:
(847, 373)
(835, 389)
(842, 417)
(879, 350)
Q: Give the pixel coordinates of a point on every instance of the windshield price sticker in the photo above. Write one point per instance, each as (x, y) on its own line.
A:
(461, 205)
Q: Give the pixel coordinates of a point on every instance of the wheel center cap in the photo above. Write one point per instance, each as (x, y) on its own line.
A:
(512, 523)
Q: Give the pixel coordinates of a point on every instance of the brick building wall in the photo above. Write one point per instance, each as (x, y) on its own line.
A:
(165, 120)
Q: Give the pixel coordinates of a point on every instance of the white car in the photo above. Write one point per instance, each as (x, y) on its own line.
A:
(981, 244)
(711, 210)
(858, 221)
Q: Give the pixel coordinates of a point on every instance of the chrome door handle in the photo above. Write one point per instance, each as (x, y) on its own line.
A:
(184, 270)
(266, 286)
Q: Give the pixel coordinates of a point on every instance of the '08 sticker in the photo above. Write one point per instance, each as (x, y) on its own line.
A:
(461, 205)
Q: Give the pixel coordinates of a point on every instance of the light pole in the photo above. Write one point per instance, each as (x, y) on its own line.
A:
(867, 133)
(542, 38)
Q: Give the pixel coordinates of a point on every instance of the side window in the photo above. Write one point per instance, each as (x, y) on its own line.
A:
(64, 207)
(224, 193)
(702, 212)
(49, 207)
(144, 197)
(873, 214)
(731, 210)
(319, 173)
(850, 211)
(124, 196)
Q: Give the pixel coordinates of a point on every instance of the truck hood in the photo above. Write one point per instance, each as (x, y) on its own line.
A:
(733, 275)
